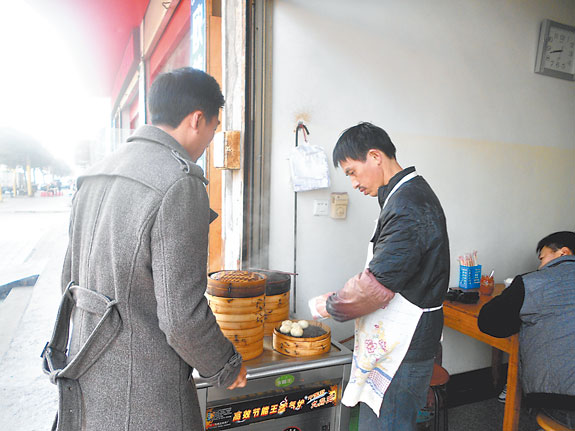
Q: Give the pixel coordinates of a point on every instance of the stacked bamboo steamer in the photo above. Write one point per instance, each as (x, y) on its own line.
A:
(277, 299)
(237, 299)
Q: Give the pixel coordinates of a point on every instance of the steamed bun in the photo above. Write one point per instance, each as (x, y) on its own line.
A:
(303, 323)
(296, 330)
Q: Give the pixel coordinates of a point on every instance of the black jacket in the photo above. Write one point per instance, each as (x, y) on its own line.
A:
(411, 255)
(411, 247)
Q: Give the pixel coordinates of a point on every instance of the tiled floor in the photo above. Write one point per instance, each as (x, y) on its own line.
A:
(486, 416)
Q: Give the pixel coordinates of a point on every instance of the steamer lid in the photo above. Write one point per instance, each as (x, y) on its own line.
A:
(237, 276)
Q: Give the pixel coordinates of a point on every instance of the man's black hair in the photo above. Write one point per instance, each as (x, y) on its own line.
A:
(176, 94)
(558, 240)
(355, 142)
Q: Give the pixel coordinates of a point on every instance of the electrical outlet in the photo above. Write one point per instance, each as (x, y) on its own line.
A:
(320, 207)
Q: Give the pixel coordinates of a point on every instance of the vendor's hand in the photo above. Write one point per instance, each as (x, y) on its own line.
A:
(320, 303)
(241, 379)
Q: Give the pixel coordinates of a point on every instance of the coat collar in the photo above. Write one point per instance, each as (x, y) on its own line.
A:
(558, 260)
(158, 136)
(384, 191)
(155, 134)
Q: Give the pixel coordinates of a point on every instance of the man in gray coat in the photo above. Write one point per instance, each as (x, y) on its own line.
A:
(134, 276)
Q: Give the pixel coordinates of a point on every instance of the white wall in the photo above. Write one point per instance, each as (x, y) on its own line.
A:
(453, 84)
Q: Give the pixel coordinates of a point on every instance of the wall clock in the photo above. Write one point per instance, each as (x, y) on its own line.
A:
(556, 50)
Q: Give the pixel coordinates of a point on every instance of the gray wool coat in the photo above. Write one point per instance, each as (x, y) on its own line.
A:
(139, 235)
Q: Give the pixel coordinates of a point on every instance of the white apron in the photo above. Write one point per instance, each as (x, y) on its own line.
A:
(381, 342)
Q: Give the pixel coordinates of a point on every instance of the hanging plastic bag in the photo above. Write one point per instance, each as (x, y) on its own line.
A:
(309, 168)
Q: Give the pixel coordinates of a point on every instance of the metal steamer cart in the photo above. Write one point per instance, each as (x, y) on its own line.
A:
(283, 393)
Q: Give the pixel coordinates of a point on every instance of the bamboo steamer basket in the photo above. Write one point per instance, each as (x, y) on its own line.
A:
(300, 346)
(236, 305)
(247, 312)
(244, 340)
(277, 299)
(237, 299)
(255, 317)
(236, 284)
(247, 332)
(274, 317)
(251, 351)
(239, 326)
(277, 314)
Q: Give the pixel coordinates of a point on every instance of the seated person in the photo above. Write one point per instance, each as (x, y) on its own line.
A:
(540, 305)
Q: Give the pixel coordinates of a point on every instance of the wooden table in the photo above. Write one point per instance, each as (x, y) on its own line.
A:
(463, 318)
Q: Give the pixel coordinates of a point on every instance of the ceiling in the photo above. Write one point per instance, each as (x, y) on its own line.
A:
(97, 32)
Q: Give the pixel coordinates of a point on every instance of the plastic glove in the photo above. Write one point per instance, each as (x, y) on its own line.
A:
(361, 295)
(317, 306)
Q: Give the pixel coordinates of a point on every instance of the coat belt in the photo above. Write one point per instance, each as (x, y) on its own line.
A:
(55, 355)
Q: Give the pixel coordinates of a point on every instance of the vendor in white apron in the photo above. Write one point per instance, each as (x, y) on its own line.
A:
(395, 343)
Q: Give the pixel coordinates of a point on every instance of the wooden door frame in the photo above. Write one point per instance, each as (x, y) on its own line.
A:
(214, 68)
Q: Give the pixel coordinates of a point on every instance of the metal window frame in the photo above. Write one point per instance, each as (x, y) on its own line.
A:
(257, 138)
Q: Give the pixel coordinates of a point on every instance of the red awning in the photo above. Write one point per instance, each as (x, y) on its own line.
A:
(97, 31)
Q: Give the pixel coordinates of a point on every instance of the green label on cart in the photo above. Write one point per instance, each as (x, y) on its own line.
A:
(284, 381)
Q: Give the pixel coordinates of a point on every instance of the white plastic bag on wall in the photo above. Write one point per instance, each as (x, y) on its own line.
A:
(309, 168)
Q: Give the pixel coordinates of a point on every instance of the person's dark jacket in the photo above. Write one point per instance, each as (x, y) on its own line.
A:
(411, 256)
(411, 247)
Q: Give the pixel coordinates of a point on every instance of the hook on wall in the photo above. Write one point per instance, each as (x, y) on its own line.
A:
(301, 126)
